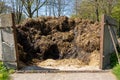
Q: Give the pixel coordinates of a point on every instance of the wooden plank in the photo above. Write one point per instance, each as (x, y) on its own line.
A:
(102, 41)
(15, 40)
(115, 47)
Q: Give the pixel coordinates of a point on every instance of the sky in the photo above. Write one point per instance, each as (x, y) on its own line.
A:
(68, 9)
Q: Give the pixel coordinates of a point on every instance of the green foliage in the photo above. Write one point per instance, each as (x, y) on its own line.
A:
(116, 15)
(113, 60)
(4, 72)
(116, 11)
(86, 10)
(115, 65)
(116, 71)
(73, 16)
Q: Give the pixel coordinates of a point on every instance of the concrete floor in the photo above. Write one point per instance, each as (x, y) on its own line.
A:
(64, 76)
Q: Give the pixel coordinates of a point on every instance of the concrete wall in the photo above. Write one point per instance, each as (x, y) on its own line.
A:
(7, 41)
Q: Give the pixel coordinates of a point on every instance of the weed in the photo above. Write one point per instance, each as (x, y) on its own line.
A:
(4, 72)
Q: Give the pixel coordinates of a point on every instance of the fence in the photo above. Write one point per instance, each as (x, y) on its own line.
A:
(106, 43)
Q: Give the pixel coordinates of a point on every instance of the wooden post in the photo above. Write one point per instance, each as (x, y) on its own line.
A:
(102, 41)
(115, 47)
(15, 40)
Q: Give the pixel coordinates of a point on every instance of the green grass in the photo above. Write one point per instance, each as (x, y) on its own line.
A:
(115, 65)
(116, 71)
(4, 72)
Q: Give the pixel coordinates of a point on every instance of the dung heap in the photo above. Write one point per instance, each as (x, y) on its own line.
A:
(58, 38)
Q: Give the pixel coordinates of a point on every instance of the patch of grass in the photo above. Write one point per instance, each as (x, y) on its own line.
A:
(115, 65)
(4, 72)
(4, 75)
(116, 71)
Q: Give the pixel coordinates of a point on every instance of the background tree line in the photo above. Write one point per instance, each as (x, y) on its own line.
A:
(34, 8)
(90, 9)
(93, 9)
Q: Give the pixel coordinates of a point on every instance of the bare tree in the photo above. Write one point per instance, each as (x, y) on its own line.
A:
(3, 7)
(49, 7)
(77, 6)
(30, 8)
(18, 11)
(57, 7)
(60, 7)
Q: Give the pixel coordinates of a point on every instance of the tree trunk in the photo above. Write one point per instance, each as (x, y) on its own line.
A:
(37, 8)
(97, 11)
(53, 4)
(59, 7)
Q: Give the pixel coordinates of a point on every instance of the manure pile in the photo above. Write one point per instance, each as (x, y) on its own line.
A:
(61, 39)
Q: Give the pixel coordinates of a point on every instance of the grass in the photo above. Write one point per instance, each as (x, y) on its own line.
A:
(4, 72)
(116, 71)
(4, 75)
(115, 65)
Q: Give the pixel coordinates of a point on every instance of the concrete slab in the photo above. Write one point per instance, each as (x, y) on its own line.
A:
(63, 76)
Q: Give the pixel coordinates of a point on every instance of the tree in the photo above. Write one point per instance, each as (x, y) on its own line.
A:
(57, 7)
(18, 11)
(49, 7)
(92, 9)
(116, 14)
(31, 6)
(4, 8)
(97, 10)
(116, 11)
(86, 9)
(77, 6)
(61, 6)
(106, 6)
